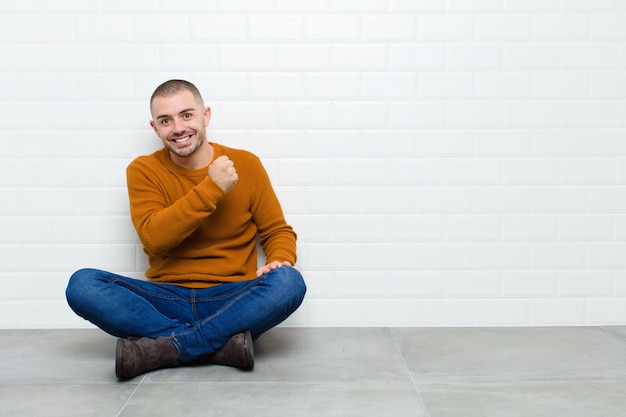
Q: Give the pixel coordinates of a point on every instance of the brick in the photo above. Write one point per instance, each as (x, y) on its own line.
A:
(218, 27)
(529, 284)
(306, 171)
(446, 143)
(444, 256)
(359, 56)
(609, 27)
(446, 85)
(375, 256)
(561, 85)
(417, 114)
(449, 27)
(248, 114)
(304, 114)
(559, 142)
(501, 199)
(357, 5)
(45, 28)
(275, 27)
(245, 5)
(472, 284)
(331, 27)
(166, 29)
(589, 5)
(561, 27)
(585, 283)
(502, 256)
(474, 56)
(508, 85)
(610, 85)
(499, 312)
(388, 85)
(590, 55)
(361, 114)
(532, 56)
(602, 311)
(531, 5)
(559, 255)
(103, 28)
(397, 27)
(550, 199)
(599, 114)
(390, 312)
(337, 257)
(334, 312)
(556, 312)
(586, 227)
(415, 171)
(332, 85)
(446, 312)
(607, 255)
(474, 114)
(306, 57)
(245, 56)
(276, 85)
(532, 114)
(475, 5)
(415, 228)
(472, 228)
(529, 228)
(504, 27)
(23, 58)
(416, 284)
(502, 142)
(588, 171)
(417, 56)
(417, 5)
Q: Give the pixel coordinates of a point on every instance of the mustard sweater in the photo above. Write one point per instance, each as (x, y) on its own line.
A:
(196, 235)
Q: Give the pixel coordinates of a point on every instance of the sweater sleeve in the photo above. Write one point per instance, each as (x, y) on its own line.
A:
(162, 224)
(278, 239)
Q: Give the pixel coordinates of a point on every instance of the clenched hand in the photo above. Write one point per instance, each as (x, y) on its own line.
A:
(222, 171)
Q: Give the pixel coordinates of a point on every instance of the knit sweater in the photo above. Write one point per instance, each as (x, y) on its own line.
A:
(195, 234)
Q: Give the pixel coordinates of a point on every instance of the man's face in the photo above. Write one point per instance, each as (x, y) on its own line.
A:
(180, 121)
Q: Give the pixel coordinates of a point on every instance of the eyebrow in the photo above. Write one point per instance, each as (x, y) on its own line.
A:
(191, 109)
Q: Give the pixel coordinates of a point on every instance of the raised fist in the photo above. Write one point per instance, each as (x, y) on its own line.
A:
(222, 172)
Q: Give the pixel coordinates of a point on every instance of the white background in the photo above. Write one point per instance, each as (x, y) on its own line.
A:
(445, 163)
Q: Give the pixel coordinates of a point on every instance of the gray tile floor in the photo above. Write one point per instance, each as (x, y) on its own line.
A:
(436, 372)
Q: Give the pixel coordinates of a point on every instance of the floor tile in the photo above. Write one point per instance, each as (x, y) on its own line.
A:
(493, 354)
(54, 356)
(525, 399)
(64, 400)
(309, 355)
(275, 400)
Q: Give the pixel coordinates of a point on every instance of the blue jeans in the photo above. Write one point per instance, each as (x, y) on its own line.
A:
(199, 320)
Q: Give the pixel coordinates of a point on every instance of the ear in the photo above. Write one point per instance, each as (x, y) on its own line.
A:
(153, 125)
(207, 115)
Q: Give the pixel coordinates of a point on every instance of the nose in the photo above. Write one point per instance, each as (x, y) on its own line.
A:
(177, 126)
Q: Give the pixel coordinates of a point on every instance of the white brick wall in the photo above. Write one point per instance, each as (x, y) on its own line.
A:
(445, 162)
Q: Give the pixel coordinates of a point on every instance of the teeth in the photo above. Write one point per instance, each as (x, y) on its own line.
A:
(179, 140)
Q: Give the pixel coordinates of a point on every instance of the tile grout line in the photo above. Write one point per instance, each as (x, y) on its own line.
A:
(132, 394)
(395, 342)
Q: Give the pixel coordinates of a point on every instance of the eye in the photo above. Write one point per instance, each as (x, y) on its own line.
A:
(165, 121)
(187, 115)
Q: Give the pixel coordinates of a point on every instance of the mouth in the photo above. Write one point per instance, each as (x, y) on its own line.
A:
(182, 139)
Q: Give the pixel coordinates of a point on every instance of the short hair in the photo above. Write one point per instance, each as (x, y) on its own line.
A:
(171, 87)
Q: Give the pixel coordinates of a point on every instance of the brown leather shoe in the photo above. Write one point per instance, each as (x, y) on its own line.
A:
(237, 352)
(135, 357)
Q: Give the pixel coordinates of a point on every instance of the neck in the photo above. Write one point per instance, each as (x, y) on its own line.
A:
(201, 158)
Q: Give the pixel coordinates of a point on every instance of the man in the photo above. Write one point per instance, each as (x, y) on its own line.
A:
(198, 208)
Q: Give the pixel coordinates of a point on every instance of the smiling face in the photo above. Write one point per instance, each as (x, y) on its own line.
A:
(180, 121)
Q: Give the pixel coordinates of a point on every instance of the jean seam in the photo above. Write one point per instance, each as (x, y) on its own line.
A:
(150, 293)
